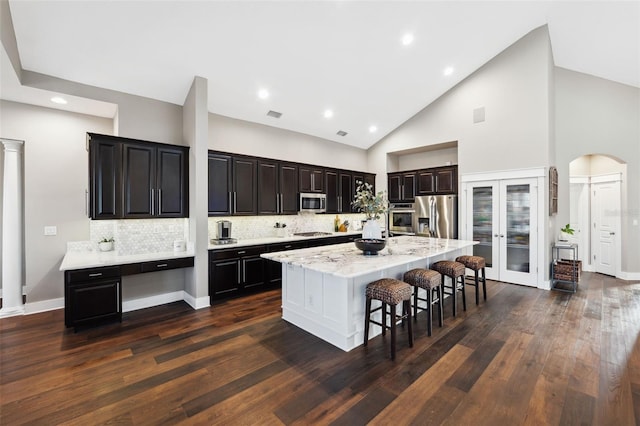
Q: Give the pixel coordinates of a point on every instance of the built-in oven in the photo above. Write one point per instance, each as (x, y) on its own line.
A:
(313, 202)
(402, 219)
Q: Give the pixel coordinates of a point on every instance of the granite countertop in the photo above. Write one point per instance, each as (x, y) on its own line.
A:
(345, 260)
(275, 240)
(92, 259)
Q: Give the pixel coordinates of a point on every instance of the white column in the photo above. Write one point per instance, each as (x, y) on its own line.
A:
(12, 230)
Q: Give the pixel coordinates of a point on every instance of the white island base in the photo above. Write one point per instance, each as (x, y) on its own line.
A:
(323, 289)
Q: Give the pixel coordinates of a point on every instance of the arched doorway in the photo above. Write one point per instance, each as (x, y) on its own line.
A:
(596, 199)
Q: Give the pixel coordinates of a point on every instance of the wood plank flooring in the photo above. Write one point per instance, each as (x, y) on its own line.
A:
(524, 357)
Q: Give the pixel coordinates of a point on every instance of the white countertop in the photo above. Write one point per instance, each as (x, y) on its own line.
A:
(345, 260)
(275, 240)
(92, 259)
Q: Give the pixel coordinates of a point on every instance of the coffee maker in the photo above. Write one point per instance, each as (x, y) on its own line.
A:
(223, 236)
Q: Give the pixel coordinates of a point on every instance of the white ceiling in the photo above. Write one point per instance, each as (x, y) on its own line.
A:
(311, 56)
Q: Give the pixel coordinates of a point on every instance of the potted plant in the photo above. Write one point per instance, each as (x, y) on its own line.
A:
(106, 244)
(373, 206)
(565, 233)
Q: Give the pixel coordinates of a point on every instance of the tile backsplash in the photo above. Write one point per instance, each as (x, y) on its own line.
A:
(140, 235)
(247, 227)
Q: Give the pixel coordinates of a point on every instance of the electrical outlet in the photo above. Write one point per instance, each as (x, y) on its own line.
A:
(50, 230)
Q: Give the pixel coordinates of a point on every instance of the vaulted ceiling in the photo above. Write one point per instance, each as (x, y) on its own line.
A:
(348, 57)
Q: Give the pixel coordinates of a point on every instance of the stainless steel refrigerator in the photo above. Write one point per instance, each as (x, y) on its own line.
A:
(437, 216)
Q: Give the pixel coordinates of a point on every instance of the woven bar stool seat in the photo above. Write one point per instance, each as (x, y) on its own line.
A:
(477, 264)
(455, 271)
(389, 292)
(431, 281)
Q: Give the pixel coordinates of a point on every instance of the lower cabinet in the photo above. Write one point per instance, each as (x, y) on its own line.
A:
(235, 271)
(92, 296)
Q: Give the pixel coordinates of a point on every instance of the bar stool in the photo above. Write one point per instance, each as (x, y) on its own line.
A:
(476, 264)
(453, 270)
(389, 291)
(431, 281)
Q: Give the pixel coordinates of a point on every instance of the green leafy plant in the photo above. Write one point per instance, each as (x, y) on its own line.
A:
(372, 205)
(567, 229)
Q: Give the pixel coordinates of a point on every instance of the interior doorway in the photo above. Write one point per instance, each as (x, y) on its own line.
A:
(595, 211)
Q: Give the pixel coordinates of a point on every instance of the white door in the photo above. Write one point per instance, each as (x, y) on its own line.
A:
(579, 219)
(503, 218)
(606, 216)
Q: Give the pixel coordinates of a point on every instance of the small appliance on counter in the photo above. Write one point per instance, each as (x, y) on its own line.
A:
(223, 233)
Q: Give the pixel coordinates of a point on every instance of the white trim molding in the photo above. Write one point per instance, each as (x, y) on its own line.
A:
(155, 300)
(196, 303)
(504, 174)
(43, 306)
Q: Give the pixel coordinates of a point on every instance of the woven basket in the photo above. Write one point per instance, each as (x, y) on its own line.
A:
(567, 270)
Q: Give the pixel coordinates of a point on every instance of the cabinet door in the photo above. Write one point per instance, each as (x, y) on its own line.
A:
(224, 278)
(288, 181)
(426, 183)
(371, 180)
(220, 187)
(94, 302)
(333, 197)
(105, 161)
(172, 183)
(139, 163)
(345, 193)
(245, 186)
(311, 179)
(394, 186)
(446, 181)
(408, 187)
(252, 271)
(268, 194)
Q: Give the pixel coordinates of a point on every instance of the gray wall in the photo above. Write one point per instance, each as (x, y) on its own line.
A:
(55, 168)
(597, 116)
(241, 137)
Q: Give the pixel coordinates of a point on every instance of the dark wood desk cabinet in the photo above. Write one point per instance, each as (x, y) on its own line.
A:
(93, 296)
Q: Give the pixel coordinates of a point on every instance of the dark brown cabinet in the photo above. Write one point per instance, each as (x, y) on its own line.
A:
(235, 271)
(132, 179)
(331, 187)
(220, 184)
(92, 296)
(311, 179)
(245, 190)
(277, 187)
(105, 193)
(401, 187)
(437, 181)
(340, 187)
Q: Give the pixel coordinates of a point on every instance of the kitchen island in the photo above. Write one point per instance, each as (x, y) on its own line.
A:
(323, 288)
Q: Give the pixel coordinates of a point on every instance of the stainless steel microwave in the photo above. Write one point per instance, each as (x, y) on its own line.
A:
(312, 202)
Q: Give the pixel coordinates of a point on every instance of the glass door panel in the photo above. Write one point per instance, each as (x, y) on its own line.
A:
(482, 231)
(518, 227)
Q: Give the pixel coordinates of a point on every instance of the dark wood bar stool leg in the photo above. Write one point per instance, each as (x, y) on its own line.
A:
(477, 265)
(428, 280)
(453, 270)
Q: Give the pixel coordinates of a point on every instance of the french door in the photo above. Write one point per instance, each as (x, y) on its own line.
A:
(502, 217)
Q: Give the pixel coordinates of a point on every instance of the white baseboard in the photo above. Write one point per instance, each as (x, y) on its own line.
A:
(629, 276)
(43, 306)
(147, 302)
(545, 285)
(196, 303)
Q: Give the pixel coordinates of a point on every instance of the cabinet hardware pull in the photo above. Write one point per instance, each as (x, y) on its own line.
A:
(86, 202)
(151, 199)
(242, 252)
(230, 203)
(288, 246)
(159, 201)
(235, 202)
(161, 265)
(97, 274)
(281, 203)
(277, 203)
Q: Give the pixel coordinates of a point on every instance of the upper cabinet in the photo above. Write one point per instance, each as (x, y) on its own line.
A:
(232, 184)
(311, 179)
(132, 179)
(402, 187)
(220, 186)
(245, 191)
(405, 186)
(277, 187)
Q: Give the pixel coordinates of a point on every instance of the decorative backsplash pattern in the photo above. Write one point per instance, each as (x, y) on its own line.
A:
(134, 236)
(247, 227)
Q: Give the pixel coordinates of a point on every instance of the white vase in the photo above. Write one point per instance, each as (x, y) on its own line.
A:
(105, 246)
(371, 230)
(564, 237)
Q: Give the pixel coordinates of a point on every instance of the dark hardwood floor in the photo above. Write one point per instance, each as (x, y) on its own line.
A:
(526, 356)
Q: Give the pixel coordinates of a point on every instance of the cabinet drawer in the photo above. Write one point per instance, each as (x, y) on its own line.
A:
(235, 253)
(162, 265)
(92, 274)
(294, 245)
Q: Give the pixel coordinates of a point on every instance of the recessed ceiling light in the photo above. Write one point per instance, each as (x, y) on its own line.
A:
(59, 100)
(373, 129)
(448, 71)
(263, 93)
(407, 39)
(328, 113)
